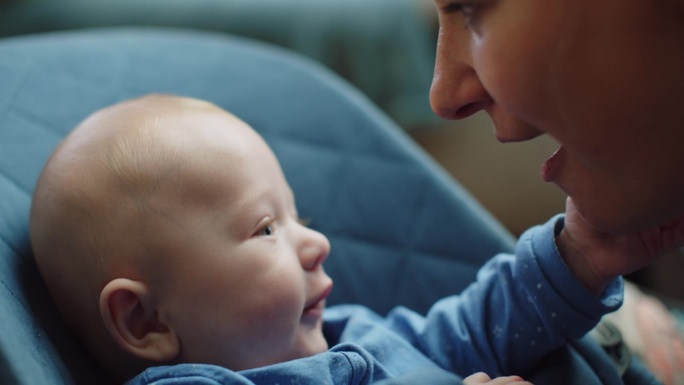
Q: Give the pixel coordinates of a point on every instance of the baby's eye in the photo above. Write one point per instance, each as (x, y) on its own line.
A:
(265, 230)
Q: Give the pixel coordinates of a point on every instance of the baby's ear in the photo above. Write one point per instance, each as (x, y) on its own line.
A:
(131, 317)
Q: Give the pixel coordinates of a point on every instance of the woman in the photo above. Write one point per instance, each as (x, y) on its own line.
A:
(604, 78)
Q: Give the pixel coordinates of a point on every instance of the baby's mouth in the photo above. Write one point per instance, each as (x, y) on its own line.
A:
(316, 306)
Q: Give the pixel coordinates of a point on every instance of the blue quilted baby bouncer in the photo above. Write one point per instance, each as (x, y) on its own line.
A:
(402, 232)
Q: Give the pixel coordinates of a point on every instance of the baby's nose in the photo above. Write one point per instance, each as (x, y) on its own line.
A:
(313, 250)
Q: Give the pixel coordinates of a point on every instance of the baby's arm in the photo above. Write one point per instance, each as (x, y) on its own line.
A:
(597, 258)
(482, 378)
(521, 307)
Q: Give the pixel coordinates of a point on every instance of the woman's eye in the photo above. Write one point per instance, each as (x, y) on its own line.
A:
(467, 9)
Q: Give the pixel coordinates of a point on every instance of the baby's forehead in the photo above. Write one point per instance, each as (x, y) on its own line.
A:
(183, 127)
(196, 151)
(161, 140)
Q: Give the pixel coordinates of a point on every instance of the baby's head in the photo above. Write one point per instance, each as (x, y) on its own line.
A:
(166, 232)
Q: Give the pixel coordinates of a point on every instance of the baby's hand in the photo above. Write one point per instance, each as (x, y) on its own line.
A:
(482, 378)
(597, 258)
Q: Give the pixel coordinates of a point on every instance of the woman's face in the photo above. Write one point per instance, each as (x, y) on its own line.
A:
(604, 78)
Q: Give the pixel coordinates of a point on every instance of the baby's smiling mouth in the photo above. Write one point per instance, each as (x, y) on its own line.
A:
(315, 307)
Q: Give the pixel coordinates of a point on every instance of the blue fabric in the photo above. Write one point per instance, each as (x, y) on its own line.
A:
(508, 320)
(402, 231)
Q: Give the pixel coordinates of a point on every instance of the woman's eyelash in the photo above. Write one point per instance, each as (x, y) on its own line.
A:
(467, 8)
(457, 7)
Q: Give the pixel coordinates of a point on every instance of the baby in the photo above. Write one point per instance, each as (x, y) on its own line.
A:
(169, 239)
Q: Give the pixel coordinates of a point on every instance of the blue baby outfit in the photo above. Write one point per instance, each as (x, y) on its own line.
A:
(521, 308)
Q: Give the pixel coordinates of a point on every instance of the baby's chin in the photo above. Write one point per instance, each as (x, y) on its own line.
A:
(308, 351)
(304, 352)
(320, 345)
(314, 345)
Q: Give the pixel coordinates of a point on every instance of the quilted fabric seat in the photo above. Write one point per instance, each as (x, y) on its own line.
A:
(401, 230)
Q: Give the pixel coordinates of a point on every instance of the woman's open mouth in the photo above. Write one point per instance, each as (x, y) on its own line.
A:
(549, 169)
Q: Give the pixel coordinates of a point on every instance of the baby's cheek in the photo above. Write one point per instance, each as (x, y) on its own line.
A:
(278, 309)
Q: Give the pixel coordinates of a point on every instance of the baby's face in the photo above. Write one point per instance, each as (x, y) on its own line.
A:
(241, 282)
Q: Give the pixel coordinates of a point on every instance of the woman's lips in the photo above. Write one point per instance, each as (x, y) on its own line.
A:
(550, 168)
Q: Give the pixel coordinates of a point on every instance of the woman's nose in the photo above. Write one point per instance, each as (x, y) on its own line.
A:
(456, 91)
(313, 249)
